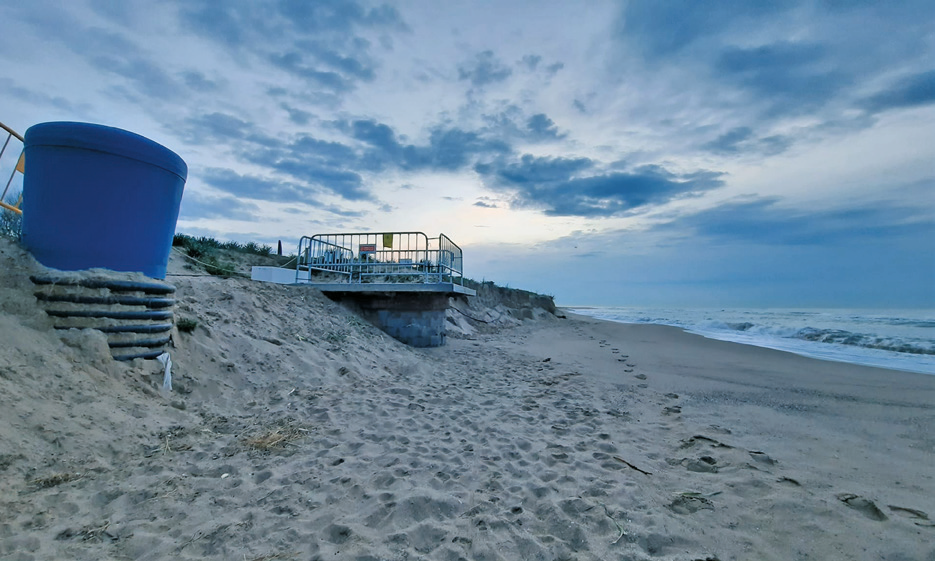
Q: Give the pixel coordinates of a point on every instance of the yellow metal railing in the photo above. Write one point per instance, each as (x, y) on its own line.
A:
(19, 167)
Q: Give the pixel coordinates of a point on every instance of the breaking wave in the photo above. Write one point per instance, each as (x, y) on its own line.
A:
(903, 340)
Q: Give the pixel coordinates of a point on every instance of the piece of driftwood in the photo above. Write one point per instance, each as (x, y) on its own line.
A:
(619, 459)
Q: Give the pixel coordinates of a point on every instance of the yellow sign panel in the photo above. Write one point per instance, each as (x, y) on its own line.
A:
(387, 240)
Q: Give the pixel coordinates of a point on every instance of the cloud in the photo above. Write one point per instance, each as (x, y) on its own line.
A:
(346, 184)
(767, 65)
(765, 221)
(318, 42)
(147, 77)
(791, 77)
(663, 28)
(741, 140)
(531, 61)
(448, 149)
(558, 186)
(485, 202)
(197, 81)
(296, 115)
(512, 123)
(214, 128)
(195, 205)
(307, 165)
(41, 98)
(253, 187)
(484, 69)
(553, 68)
(542, 127)
(911, 91)
(294, 63)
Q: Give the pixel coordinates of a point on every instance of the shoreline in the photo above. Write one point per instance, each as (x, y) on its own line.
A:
(867, 359)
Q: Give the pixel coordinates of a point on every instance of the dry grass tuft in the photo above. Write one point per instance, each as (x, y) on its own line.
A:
(271, 556)
(279, 437)
(54, 480)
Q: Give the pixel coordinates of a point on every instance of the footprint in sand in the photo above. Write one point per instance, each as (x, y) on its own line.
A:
(918, 517)
(688, 503)
(864, 506)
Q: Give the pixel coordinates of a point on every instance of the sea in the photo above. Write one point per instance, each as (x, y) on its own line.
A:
(895, 339)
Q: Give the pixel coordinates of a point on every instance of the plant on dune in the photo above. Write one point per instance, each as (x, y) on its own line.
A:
(218, 268)
(11, 223)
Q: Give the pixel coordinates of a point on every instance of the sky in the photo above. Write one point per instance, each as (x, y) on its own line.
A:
(643, 153)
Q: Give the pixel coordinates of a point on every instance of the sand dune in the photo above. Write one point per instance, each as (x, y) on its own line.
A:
(295, 430)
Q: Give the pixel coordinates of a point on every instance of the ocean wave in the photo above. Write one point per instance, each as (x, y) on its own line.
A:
(842, 337)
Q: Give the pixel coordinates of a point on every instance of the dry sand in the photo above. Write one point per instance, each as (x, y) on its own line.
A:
(297, 431)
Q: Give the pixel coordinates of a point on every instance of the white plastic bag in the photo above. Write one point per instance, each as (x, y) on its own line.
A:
(166, 361)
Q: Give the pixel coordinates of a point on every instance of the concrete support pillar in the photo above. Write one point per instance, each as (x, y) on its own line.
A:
(416, 319)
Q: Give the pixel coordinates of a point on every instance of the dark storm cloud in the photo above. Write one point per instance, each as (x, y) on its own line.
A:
(484, 69)
(559, 186)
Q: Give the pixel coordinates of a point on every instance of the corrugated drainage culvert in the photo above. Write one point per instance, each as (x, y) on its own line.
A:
(137, 317)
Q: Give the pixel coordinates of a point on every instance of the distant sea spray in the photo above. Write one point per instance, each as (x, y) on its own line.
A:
(896, 339)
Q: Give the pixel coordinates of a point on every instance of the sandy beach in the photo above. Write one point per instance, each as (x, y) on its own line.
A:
(296, 430)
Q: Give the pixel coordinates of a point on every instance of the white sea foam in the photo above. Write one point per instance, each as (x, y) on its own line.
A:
(896, 339)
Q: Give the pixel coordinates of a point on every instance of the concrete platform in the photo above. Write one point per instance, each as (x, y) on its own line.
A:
(288, 276)
(413, 313)
(390, 287)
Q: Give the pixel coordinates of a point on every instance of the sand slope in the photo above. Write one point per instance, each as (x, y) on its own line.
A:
(297, 431)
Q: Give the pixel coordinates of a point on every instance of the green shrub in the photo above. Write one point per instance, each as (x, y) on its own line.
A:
(186, 325)
(216, 267)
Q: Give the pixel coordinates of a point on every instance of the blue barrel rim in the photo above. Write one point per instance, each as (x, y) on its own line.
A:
(106, 139)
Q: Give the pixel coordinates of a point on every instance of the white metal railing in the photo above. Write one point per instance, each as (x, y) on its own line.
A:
(390, 257)
(18, 167)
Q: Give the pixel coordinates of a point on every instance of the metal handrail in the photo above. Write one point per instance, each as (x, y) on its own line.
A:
(391, 257)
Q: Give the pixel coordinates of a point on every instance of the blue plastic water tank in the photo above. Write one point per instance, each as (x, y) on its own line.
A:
(96, 196)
